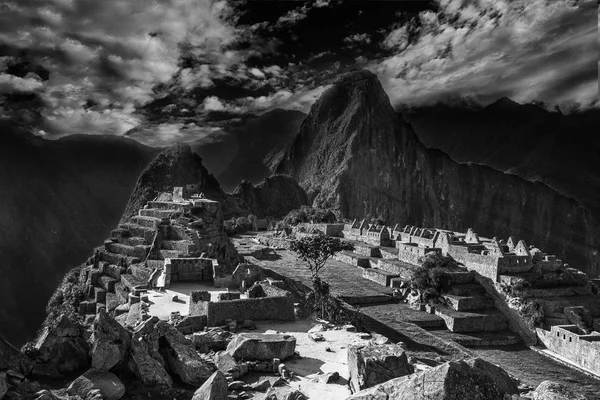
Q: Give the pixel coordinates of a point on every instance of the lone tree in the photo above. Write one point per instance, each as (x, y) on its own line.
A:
(315, 251)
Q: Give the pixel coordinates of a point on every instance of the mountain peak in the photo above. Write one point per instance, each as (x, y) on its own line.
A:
(175, 166)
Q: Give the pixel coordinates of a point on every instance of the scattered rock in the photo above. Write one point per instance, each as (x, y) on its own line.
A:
(548, 390)
(364, 336)
(182, 357)
(378, 339)
(215, 388)
(283, 371)
(261, 386)
(145, 360)
(107, 383)
(329, 377)
(110, 342)
(504, 382)
(260, 346)
(215, 339)
(61, 349)
(316, 337)
(249, 324)
(373, 364)
(279, 382)
(225, 362)
(232, 326)
(286, 393)
(349, 328)
(237, 385)
(175, 298)
(452, 380)
(12, 358)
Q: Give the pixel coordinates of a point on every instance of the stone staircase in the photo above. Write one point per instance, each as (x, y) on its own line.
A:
(555, 293)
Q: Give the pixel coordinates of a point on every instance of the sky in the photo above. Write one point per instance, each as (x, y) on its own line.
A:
(173, 70)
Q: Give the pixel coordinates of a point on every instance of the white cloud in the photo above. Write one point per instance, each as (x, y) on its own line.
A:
(15, 84)
(257, 73)
(525, 49)
(212, 103)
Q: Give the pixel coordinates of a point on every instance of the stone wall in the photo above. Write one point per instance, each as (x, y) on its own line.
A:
(569, 342)
(257, 309)
(190, 269)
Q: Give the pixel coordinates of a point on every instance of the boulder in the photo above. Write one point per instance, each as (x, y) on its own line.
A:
(215, 388)
(455, 380)
(181, 356)
(12, 358)
(148, 368)
(107, 383)
(3, 385)
(191, 324)
(215, 339)
(110, 342)
(548, 390)
(61, 349)
(225, 362)
(261, 346)
(284, 393)
(373, 364)
(505, 383)
(329, 377)
(261, 386)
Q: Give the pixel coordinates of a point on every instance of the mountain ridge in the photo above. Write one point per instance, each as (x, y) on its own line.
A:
(383, 170)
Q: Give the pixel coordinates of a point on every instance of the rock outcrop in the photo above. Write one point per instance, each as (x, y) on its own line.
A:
(104, 382)
(549, 390)
(145, 360)
(370, 365)
(354, 153)
(261, 346)
(275, 196)
(455, 380)
(215, 388)
(11, 358)
(60, 349)
(110, 342)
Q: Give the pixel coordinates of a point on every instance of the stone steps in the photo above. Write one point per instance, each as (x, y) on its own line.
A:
(139, 231)
(164, 254)
(389, 253)
(489, 319)
(353, 259)
(132, 241)
(169, 205)
(456, 278)
(155, 264)
(131, 282)
(466, 289)
(107, 283)
(148, 222)
(178, 245)
(564, 291)
(397, 267)
(141, 272)
(131, 251)
(378, 276)
(159, 213)
(115, 259)
(466, 303)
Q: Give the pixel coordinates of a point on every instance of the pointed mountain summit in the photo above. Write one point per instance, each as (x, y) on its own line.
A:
(347, 145)
(354, 153)
(176, 166)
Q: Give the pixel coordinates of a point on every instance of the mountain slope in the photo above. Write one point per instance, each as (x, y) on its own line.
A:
(538, 145)
(354, 153)
(59, 200)
(240, 150)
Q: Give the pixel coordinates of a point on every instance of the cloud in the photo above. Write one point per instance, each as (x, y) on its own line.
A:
(529, 50)
(15, 84)
(212, 103)
(112, 52)
(358, 38)
(166, 134)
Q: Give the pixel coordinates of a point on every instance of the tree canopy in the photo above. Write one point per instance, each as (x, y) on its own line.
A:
(316, 250)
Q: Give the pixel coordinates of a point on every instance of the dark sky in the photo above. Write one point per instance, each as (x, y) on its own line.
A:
(177, 67)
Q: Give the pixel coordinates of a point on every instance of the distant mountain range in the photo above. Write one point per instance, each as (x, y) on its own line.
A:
(59, 199)
(526, 140)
